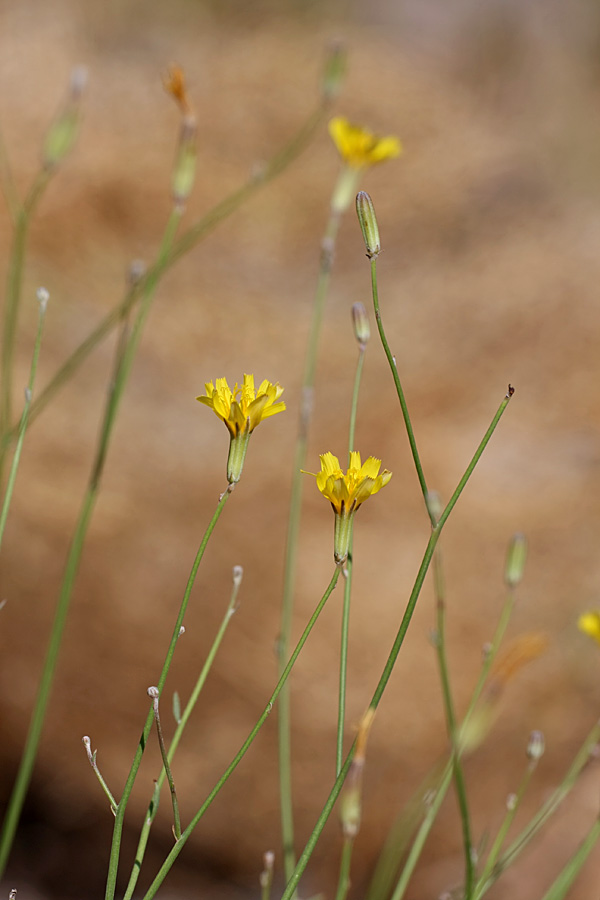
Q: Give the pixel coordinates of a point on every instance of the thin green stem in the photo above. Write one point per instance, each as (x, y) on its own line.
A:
(291, 548)
(153, 806)
(399, 390)
(459, 779)
(570, 872)
(347, 585)
(113, 865)
(176, 850)
(339, 755)
(13, 299)
(344, 876)
(423, 832)
(492, 652)
(123, 362)
(105, 788)
(548, 808)
(512, 807)
(154, 695)
(24, 419)
(399, 640)
(182, 246)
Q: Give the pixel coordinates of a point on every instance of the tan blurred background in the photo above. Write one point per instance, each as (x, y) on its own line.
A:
(491, 227)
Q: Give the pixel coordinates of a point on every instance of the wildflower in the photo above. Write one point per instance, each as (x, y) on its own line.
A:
(359, 149)
(589, 623)
(347, 491)
(241, 409)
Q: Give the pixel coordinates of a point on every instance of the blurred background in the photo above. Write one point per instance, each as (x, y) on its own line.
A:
(491, 225)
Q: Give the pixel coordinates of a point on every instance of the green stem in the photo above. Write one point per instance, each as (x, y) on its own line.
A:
(347, 586)
(570, 872)
(291, 548)
(182, 246)
(24, 420)
(423, 832)
(389, 666)
(153, 806)
(507, 821)
(154, 695)
(13, 299)
(123, 362)
(459, 779)
(403, 405)
(549, 808)
(105, 788)
(176, 850)
(344, 877)
(111, 882)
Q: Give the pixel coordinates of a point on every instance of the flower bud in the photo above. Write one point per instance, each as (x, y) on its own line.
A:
(63, 131)
(515, 560)
(362, 329)
(368, 224)
(184, 170)
(536, 746)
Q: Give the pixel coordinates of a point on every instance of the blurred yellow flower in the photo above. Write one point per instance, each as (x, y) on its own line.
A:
(347, 491)
(589, 623)
(241, 409)
(359, 147)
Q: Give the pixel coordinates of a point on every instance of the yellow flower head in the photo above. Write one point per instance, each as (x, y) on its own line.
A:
(589, 623)
(359, 147)
(243, 408)
(347, 491)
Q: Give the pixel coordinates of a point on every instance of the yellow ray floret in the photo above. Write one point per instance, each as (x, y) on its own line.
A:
(359, 147)
(589, 623)
(347, 491)
(243, 408)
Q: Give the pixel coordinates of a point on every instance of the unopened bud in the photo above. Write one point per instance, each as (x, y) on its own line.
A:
(362, 329)
(63, 131)
(136, 271)
(334, 71)
(368, 224)
(184, 171)
(536, 746)
(238, 574)
(42, 297)
(350, 800)
(434, 505)
(515, 560)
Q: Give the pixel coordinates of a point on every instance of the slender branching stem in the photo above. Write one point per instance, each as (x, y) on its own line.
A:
(126, 348)
(43, 299)
(14, 285)
(168, 863)
(113, 865)
(399, 640)
(153, 805)
(399, 390)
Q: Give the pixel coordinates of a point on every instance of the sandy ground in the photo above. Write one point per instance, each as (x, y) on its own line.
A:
(490, 223)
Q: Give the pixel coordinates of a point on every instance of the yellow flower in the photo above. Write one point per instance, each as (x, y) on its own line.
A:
(589, 623)
(347, 491)
(242, 409)
(359, 147)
